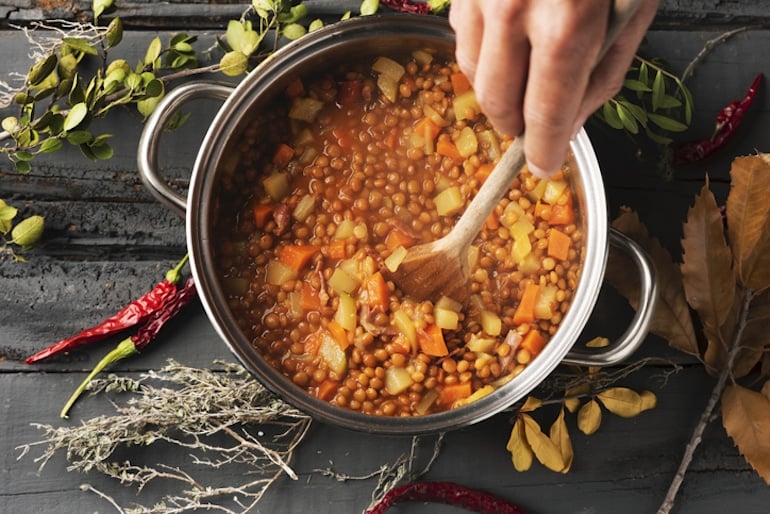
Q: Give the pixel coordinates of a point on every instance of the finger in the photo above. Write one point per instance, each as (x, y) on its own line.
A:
(467, 21)
(559, 76)
(607, 78)
(500, 87)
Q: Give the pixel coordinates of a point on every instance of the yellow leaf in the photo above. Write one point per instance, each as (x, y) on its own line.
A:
(560, 437)
(649, 400)
(622, 401)
(746, 418)
(747, 213)
(544, 449)
(598, 342)
(531, 404)
(521, 453)
(589, 417)
(671, 320)
(572, 397)
(707, 274)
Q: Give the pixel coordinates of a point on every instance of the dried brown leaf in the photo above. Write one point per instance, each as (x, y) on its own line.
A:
(707, 275)
(521, 452)
(621, 401)
(754, 338)
(671, 320)
(572, 397)
(544, 449)
(746, 418)
(589, 417)
(560, 437)
(748, 212)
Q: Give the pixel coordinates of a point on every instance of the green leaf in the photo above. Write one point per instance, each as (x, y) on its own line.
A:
(22, 156)
(294, 31)
(51, 145)
(23, 167)
(233, 64)
(80, 45)
(636, 85)
(241, 38)
(7, 212)
(22, 99)
(148, 105)
(56, 125)
(76, 115)
(28, 231)
(177, 120)
(669, 102)
(68, 65)
(611, 116)
(315, 25)
(153, 88)
(102, 151)
(183, 47)
(688, 102)
(79, 137)
(637, 112)
(263, 8)
(133, 81)
(644, 74)
(114, 32)
(667, 123)
(627, 119)
(369, 7)
(438, 6)
(99, 6)
(41, 70)
(153, 52)
(295, 14)
(86, 151)
(658, 90)
(10, 124)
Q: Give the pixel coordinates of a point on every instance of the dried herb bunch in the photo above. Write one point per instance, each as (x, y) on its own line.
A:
(724, 279)
(216, 418)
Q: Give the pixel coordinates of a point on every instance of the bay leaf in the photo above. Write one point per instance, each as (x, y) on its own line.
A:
(707, 275)
(649, 400)
(544, 449)
(671, 320)
(521, 452)
(589, 417)
(621, 401)
(531, 404)
(560, 437)
(748, 212)
(746, 418)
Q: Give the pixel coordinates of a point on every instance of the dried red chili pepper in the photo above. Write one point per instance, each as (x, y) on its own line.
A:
(448, 493)
(409, 6)
(727, 122)
(144, 336)
(130, 315)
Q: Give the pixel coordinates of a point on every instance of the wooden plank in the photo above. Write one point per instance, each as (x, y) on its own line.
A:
(676, 14)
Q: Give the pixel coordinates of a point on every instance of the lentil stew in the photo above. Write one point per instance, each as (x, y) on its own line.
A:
(318, 202)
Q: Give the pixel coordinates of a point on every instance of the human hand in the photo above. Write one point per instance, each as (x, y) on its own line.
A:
(538, 63)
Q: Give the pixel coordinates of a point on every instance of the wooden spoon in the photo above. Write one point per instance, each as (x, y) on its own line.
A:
(441, 267)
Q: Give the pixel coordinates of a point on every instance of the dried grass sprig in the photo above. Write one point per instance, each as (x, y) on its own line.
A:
(219, 418)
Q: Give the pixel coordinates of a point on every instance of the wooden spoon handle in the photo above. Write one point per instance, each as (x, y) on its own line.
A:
(495, 186)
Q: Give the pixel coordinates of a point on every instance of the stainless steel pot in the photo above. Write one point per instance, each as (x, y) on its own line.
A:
(320, 50)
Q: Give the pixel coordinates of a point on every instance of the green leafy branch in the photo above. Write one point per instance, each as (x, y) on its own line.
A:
(59, 99)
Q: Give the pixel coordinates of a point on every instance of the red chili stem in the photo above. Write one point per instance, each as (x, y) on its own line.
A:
(726, 124)
(132, 345)
(448, 493)
(131, 315)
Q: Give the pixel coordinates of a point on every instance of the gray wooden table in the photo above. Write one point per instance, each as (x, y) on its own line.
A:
(107, 241)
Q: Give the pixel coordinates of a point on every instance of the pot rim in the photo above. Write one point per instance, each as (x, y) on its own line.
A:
(200, 210)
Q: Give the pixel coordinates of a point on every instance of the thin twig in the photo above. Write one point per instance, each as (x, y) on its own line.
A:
(104, 496)
(706, 416)
(707, 48)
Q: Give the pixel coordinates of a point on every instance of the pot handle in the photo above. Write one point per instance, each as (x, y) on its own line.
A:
(147, 158)
(637, 331)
